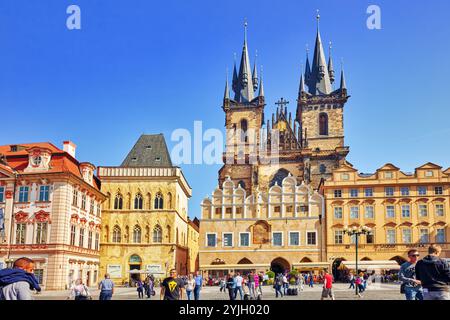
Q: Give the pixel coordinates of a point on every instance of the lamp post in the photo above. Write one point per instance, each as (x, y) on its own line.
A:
(356, 232)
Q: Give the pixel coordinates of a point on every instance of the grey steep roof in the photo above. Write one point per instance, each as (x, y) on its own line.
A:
(149, 151)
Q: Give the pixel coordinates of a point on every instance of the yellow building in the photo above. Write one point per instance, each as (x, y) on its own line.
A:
(193, 238)
(279, 230)
(405, 210)
(145, 219)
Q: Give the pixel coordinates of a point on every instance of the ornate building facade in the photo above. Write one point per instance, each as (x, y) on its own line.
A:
(404, 210)
(266, 212)
(50, 212)
(146, 225)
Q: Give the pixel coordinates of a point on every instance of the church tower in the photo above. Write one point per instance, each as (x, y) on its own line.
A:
(244, 117)
(320, 113)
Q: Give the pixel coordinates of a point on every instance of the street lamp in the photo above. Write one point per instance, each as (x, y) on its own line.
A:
(356, 232)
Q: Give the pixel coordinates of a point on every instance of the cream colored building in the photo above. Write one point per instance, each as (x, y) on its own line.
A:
(405, 211)
(145, 226)
(280, 229)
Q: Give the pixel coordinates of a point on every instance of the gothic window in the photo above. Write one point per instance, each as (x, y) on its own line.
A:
(242, 184)
(118, 202)
(244, 127)
(279, 177)
(169, 200)
(159, 201)
(157, 234)
(138, 202)
(137, 232)
(323, 124)
(117, 234)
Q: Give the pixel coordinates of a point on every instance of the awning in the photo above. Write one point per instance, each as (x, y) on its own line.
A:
(234, 266)
(371, 265)
(311, 265)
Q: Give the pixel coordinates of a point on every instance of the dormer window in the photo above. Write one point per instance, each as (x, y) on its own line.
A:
(36, 161)
(158, 159)
(428, 174)
(134, 159)
(148, 147)
(388, 175)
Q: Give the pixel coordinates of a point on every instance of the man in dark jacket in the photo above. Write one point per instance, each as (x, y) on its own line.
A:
(434, 274)
(18, 282)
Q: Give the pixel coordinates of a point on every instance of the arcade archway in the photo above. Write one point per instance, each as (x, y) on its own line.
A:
(280, 265)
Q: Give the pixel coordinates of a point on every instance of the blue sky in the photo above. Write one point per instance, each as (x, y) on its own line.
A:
(150, 67)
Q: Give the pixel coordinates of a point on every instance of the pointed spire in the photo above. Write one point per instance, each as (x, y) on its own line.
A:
(319, 83)
(244, 92)
(261, 85)
(255, 74)
(330, 65)
(235, 76)
(343, 83)
(226, 94)
(308, 66)
(302, 84)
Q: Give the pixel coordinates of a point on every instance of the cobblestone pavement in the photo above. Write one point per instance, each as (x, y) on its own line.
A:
(341, 291)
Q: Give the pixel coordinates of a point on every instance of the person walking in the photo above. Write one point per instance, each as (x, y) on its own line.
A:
(285, 284)
(260, 282)
(198, 285)
(251, 285)
(311, 281)
(172, 287)
(106, 287)
(434, 275)
(359, 284)
(257, 287)
(190, 286)
(352, 281)
(231, 286)
(407, 275)
(17, 283)
(140, 289)
(79, 291)
(238, 288)
(327, 290)
(278, 285)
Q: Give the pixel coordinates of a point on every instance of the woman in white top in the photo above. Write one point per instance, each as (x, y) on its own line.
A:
(79, 291)
(190, 285)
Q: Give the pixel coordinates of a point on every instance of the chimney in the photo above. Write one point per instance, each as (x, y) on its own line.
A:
(70, 147)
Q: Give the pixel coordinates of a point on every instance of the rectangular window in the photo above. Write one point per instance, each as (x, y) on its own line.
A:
(406, 211)
(83, 202)
(244, 239)
(277, 239)
(438, 191)
(390, 211)
(345, 176)
(422, 191)
(389, 191)
(277, 209)
(423, 210)
(41, 232)
(2, 194)
(338, 212)
(98, 210)
(390, 236)
(227, 239)
(97, 241)
(228, 210)
(39, 274)
(388, 175)
(75, 197)
(404, 191)
(294, 238)
(90, 240)
(81, 239)
(44, 192)
(338, 193)
(73, 230)
(440, 235)
(368, 192)
(440, 210)
(338, 237)
(21, 233)
(91, 209)
(369, 238)
(23, 194)
(370, 212)
(354, 193)
(353, 239)
(211, 240)
(424, 237)
(406, 236)
(311, 238)
(354, 212)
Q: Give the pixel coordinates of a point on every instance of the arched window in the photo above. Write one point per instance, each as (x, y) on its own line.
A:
(323, 124)
(157, 234)
(244, 128)
(242, 184)
(168, 234)
(117, 234)
(138, 202)
(118, 202)
(323, 169)
(159, 201)
(169, 201)
(279, 177)
(137, 232)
